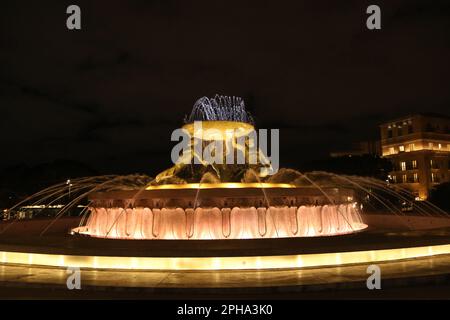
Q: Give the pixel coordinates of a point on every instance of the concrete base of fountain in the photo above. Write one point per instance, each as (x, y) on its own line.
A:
(426, 231)
(224, 223)
(224, 211)
(222, 283)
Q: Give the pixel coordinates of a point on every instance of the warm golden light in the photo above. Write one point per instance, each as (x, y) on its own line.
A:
(418, 145)
(225, 185)
(222, 263)
(218, 130)
(222, 223)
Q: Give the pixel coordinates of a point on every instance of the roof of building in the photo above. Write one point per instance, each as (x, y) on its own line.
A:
(424, 114)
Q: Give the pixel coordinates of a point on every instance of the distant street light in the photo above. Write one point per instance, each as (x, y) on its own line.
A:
(70, 186)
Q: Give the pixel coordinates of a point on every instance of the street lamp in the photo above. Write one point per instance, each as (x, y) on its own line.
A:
(69, 184)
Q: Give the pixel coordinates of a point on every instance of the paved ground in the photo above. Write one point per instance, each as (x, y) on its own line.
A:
(418, 278)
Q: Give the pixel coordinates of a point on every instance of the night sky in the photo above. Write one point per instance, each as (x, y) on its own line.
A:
(110, 95)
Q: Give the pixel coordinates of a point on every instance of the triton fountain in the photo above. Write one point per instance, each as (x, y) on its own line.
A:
(236, 215)
(222, 201)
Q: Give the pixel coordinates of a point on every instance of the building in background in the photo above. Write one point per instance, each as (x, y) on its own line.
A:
(419, 148)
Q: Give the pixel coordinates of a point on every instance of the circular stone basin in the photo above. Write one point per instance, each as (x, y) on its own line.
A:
(222, 211)
(61, 250)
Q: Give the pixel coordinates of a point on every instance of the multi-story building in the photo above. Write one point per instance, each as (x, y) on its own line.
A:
(419, 147)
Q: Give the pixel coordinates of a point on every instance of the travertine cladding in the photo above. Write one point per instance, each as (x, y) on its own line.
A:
(225, 223)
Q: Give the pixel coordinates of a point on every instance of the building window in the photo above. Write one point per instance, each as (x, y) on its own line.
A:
(394, 178)
(410, 128)
(433, 177)
(430, 145)
(414, 164)
(401, 148)
(416, 177)
(439, 146)
(404, 178)
(391, 150)
(412, 147)
(403, 165)
(434, 164)
(389, 133)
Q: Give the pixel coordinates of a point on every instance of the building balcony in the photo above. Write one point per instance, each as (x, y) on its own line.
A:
(445, 137)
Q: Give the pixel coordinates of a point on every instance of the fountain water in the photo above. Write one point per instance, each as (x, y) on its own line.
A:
(213, 202)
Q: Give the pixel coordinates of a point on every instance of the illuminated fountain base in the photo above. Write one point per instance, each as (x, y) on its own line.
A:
(223, 213)
(226, 223)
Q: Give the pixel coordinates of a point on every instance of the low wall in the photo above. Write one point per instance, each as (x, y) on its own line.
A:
(404, 222)
(34, 227)
(382, 221)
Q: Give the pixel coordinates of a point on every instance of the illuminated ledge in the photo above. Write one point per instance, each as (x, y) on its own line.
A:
(225, 185)
(222, 263)
(218, 130)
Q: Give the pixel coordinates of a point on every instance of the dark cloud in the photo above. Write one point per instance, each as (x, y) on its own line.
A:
(110, 94)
